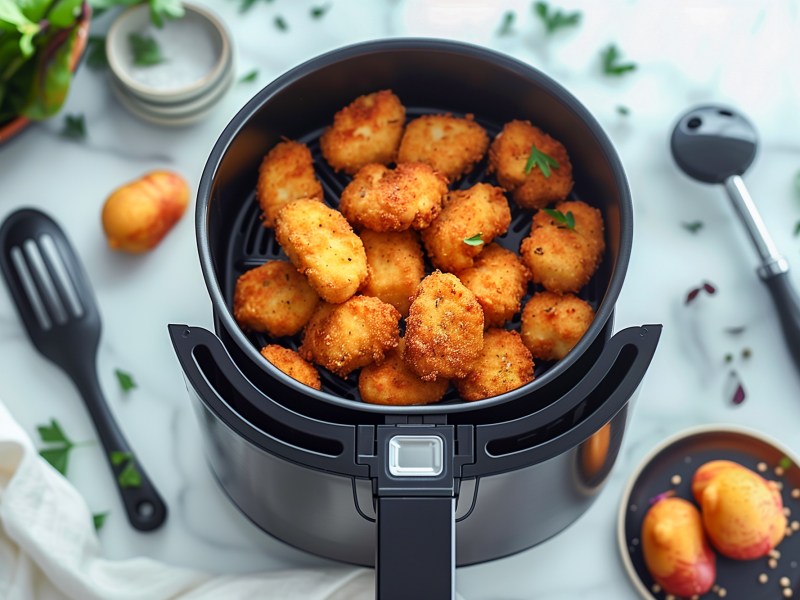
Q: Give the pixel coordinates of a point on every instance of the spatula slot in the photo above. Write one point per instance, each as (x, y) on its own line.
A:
(34, 300)
(44, 282)
(60, 275)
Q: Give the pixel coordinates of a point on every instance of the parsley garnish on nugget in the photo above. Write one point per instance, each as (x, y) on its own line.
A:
(541, 160)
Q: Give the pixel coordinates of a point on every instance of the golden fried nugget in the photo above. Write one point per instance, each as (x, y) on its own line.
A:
(383, 199)
(562, 259)
(449, 144)
(321, 244)
(503, 365)
(291, 363)
(368, 130)
(354, 334)
(285, 174)
(480, 210)
(395, 265)
(393, 382)
(444, 328)
(509, 155)
(553, 323)
(499, 280)
(273, 298)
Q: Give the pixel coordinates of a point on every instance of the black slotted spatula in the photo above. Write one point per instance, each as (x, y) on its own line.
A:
(55, 302)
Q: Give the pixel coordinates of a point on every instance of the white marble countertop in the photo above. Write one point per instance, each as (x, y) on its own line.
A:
(739, 53)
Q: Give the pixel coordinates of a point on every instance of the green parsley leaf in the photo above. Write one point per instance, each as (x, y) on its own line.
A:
(74, 127)
(694, 226)
(555, 19)
(623, 110)
(506, 25)
(53, 433)
(797, 229)
(130, 476)
(96, 53)
(249, 77)
(611, 62)
(318, 12)
(145, 50)
(565, 221)
(785, 463)
(99, 520)
(165, 9)
(248, 4)
(541, 160)
(281, 23)
(475, 240)
(118, 457)
(126, 381)
(57, 457)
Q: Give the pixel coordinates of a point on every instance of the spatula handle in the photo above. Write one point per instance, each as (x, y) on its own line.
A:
(787, 305)
(145, 507)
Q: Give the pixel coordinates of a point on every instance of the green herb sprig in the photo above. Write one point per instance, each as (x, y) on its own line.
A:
(612, 64)
(541, 160)
(555, 19)
(125, 380)
(623, 111)
(129, 476)
(74, 127)
(99, 520)
(281, 23)
(60, 446)
(317, 12)
(565, 221)
(249, 77)
(507, 24)
(693, 226)
(145, 50)
(475, 240)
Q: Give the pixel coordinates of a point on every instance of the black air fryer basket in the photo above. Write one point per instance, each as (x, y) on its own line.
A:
(414, 490)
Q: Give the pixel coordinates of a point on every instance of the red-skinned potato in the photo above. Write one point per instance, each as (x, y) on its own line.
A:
(138, 215)
(675, 549)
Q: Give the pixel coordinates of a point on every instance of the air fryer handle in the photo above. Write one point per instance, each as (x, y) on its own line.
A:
(787, 304)
(416, 548)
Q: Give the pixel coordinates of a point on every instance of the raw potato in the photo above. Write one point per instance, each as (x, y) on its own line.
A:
(504, 364)
(291, 363)
(273, 298)
(395, 265)
(675, 549)
(553, 323)
(321, 244)
(508, 157)
(444, 328)
(138, 215)
(286, 173)
(395, 383)
(742, 512)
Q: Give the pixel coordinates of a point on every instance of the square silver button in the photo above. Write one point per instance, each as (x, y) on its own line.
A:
(416, 456)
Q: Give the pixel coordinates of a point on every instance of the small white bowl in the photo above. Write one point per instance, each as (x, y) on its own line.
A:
(196, 49)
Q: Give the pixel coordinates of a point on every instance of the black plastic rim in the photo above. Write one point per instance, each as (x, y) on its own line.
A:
(457, 49)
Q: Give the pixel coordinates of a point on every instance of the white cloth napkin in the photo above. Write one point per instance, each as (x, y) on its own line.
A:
(50, 551)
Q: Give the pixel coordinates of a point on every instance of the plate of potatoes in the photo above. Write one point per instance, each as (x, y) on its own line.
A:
(713, 512)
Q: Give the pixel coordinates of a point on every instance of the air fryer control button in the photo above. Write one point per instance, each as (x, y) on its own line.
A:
(416, 456)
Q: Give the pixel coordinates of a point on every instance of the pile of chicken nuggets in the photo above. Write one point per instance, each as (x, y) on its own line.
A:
(356, 272)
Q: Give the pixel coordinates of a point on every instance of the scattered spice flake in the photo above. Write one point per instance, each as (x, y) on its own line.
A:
(707, 287)
(661, 496)
(739, 393)
(281, 23)
(736, 330)
(729, 357)
(318, 12)
(74, 127)
(692, 226)
(785, 463)
(506, 25)
(611, 62)
(746, 353)
(623, 110)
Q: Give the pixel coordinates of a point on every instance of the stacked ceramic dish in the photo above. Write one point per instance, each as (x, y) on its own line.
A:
(191, 72)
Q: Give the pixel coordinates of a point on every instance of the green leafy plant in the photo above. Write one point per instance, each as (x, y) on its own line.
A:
(60, 446)
(129, 476)
(541, 160)
(565, 221)
(475, 240)
(612, 64)
(554, 19)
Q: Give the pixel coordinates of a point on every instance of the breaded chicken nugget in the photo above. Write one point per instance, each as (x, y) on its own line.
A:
(291, 363)
(285, 174)
(321, 244)
(503, 365)
(563, 259)
(395, 265)
(368, 130)
(481, 210)
(499, 281)
(393, 382)
(449, 144)
(384, 199)
(273, 298)
(444, 329)
(354, 334)
(510, 155)
(553, 323)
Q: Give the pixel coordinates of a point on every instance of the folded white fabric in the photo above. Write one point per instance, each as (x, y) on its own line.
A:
(50, 551)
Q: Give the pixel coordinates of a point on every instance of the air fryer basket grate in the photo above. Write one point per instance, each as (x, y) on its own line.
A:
(251, 245)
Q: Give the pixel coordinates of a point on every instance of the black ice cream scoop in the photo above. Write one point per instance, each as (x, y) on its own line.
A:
(715, 144)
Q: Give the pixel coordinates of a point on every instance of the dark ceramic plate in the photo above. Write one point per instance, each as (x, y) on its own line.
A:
(680, 456)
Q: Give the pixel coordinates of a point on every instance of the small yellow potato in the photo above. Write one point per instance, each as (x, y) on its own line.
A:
(504, 364)
(395, 266)
(138, 215)
(286, 173)
(273, 298)
(449, 144)
(321, 244)
(368, 130)
(291, 363)
(553, 323)
(509, 155)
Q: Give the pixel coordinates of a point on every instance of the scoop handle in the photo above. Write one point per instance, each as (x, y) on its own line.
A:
(787, 303)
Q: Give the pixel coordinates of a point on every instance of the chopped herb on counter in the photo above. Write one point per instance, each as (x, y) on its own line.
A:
(74, 127)
(249, 77)
(475, 240)
(507, 24)
(746, 353)
(623, 110)
(318, 12)
(565, 221)
(145, 50)
(555, 19)
(729, 358)
(58, 452)
(281, 23)
(739, 330)
(96, 52)
(126, 381)
(129, 476)
(706, 287)
(541, 160)
(99, 520)
(611, 62)
(797, 229)
(694, 226)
